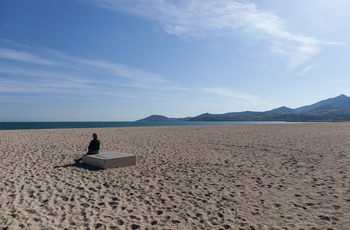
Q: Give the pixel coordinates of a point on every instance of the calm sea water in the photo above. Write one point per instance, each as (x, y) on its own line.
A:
(75, 125)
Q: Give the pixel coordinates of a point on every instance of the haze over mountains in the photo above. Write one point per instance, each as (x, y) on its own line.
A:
(332, 109)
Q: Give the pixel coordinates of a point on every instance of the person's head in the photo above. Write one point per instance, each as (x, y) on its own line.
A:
(94, 135)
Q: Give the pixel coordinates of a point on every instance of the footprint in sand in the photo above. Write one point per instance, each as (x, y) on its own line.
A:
(85, 205)
(135, 226)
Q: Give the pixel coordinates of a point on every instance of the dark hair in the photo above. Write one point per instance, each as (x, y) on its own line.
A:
(94, 135)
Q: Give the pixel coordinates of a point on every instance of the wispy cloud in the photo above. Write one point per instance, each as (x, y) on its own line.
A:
(56, 73)
(23, 56)
(202, 18)
(40, 70)
(237, 98)
(223, 91)
(307, 69)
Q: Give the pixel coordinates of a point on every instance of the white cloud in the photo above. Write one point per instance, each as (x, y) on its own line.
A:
(56, 66)
(72, 75)
(22, 56)
(307, 69)
(199, 18)
(230, 93)
(52, 71)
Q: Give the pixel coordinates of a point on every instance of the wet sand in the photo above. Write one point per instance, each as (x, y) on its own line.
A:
(281, 176)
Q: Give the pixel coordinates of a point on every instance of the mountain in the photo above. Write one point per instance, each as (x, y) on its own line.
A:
(331, 109)
(341, 102)
(282, 110)
(236, 116)
(161, 118)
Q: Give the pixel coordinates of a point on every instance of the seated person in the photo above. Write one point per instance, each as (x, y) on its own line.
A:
(94, 147)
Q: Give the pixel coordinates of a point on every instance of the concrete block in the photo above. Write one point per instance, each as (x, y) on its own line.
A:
(109, 160)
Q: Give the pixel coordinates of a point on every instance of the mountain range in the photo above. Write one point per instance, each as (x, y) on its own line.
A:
(331, 109)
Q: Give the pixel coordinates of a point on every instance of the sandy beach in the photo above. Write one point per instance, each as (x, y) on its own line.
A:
(281, 176)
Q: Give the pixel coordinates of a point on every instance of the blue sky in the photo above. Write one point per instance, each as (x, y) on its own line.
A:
(122, 60)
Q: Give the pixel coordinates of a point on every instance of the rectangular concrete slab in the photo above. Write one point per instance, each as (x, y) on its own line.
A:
(110, 160)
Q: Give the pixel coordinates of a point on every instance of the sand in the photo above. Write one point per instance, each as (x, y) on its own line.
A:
(285, 176)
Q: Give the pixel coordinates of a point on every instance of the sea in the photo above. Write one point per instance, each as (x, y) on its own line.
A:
(117, 124)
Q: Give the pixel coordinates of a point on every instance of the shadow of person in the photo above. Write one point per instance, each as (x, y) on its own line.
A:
(79, 165)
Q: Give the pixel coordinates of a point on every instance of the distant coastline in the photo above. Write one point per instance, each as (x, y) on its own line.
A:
(329, 110)
(335, 109)
(80, 125)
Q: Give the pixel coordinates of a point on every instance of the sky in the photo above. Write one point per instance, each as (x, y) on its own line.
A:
(123, 60)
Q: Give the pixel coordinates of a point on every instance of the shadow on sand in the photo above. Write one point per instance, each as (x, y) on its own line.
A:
(79, 165)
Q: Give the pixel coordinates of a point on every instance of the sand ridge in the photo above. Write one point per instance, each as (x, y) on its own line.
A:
(289, 176)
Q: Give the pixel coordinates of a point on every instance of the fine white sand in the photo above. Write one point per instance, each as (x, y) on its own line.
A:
(289, 176)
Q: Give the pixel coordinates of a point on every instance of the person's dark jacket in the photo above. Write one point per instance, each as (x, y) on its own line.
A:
(94, 145)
